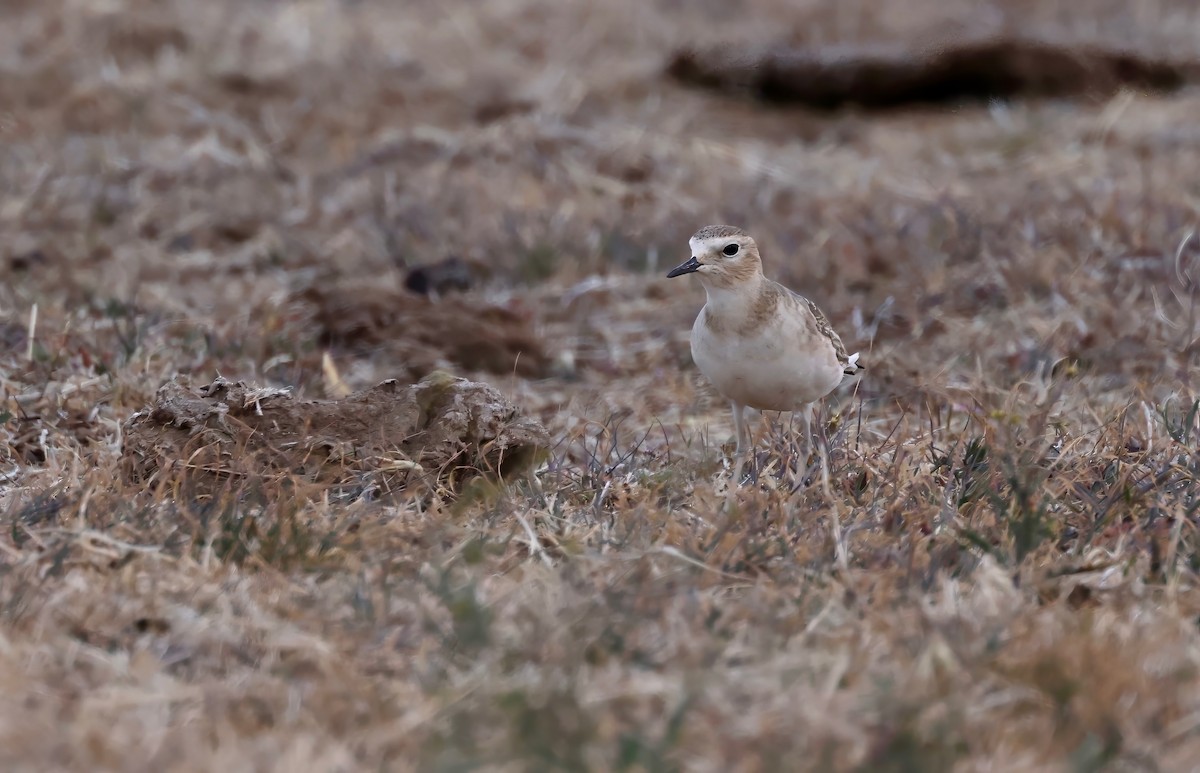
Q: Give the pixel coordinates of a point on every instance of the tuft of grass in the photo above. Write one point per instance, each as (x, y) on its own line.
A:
(1180, 425)
(538, 263)
(471, 621)
(972, 476)
(249, 526)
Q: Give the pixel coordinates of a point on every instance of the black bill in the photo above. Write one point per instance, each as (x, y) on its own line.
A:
(684, 268)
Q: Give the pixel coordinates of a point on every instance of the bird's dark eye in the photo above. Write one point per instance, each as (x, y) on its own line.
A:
(730, 250)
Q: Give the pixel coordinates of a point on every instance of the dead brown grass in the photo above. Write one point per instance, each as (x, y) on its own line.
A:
(1001, 574)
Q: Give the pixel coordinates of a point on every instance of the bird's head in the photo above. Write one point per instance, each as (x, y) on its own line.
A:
(722, 256)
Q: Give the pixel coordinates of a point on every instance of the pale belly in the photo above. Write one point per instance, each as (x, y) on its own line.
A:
(782, 372)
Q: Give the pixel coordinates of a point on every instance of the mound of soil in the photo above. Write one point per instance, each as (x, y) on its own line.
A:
(421, 334)
(882, 78)
(441, 429)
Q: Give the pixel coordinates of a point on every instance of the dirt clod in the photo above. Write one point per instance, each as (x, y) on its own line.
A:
(386, 437)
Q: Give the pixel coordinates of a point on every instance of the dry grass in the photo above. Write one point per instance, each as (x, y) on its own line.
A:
(1002, 573)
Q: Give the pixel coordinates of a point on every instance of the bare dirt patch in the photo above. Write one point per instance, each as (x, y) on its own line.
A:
(421, 334)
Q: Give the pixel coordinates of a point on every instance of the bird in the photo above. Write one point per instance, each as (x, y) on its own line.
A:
(761, 345)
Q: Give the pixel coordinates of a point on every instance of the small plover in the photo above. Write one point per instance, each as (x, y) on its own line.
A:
(760, 344)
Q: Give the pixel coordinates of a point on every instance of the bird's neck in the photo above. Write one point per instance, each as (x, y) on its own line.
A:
(733, 300)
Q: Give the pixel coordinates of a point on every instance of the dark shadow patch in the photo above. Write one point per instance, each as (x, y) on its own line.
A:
(449, 275)
(881, 78)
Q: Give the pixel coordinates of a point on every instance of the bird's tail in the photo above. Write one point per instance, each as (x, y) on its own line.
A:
(853, 366)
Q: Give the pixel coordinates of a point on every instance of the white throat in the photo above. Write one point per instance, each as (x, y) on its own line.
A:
(731, 300)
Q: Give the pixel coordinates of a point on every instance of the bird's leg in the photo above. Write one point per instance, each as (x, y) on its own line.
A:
(743, 441)
(815, 442)
(807, 412)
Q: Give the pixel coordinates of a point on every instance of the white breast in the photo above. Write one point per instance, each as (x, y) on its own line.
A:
(777, 367)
